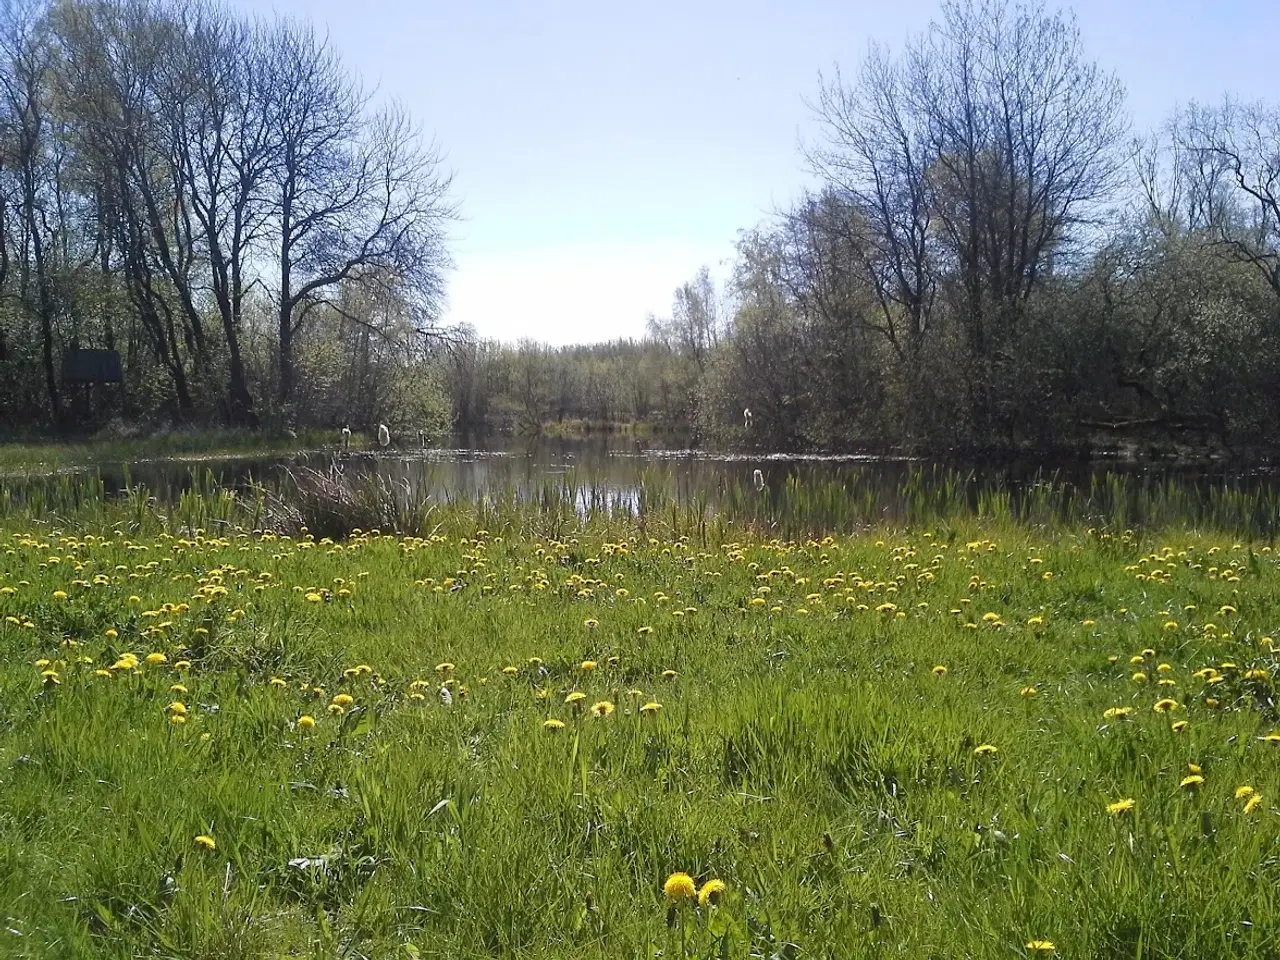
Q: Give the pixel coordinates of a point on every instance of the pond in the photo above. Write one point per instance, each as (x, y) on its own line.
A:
(631, 473)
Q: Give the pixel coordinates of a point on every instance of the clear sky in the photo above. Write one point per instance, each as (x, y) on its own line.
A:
(602, 152)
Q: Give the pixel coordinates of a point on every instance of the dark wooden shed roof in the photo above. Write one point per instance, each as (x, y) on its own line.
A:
(91, 366)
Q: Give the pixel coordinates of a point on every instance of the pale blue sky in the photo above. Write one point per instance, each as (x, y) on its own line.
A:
(602, 152)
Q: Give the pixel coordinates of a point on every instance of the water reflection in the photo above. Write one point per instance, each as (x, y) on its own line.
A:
(618, 469)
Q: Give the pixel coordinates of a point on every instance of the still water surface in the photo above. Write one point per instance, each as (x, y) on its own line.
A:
(618, 465)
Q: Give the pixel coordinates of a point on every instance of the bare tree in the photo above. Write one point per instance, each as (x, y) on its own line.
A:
(222, 148)
(875, 158)
(354, 193)
(696, 322)
(973, 162)
(26, 61)
(1239, 143)
(116, 77)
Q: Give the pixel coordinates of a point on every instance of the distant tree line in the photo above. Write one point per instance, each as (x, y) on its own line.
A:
(990, 261)
(528, 387)
(988, 258)
(222, 203)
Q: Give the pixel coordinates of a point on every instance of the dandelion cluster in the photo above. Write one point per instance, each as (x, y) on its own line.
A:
(1072, 711)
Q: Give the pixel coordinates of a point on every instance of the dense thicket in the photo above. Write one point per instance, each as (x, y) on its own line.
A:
(222, 203)
(990, 260)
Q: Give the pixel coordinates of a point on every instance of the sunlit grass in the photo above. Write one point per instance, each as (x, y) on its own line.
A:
(927, 740)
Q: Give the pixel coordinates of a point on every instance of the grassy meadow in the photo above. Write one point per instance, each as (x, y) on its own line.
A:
(513, 732)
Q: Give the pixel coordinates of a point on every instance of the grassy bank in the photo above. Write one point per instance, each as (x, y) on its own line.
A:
(29, 456)
(961, 738)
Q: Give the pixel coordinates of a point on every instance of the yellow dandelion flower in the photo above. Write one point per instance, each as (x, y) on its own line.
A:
(651, 708)
(206, 842)
(1191, 782)
(645, 631)
(985, 750)
(588, 665)
(177, 688)
(711, 893)
(277, 682)
(1178, 726)
(679, 887)
(1254, 803)
(306, 722)
(510, 671)
(177, 707)
(337, 709)
(177, 719)
(156, 658)
(1244, 791)
(553, 725)
(1117, 713)
(444, 668)
(1041, 946)
(575, 697)
(1139, 677)
(1121, 807)
(1028, 692)
(939, 670)
(602, 709)
(669, 674)
(343, 699)
(1165, 705)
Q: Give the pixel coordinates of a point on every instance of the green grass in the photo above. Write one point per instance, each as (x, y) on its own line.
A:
(22, 458)
(806, 751)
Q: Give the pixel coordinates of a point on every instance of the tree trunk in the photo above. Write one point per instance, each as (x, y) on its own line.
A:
(286, 300)
(44, 293)
(242, 412)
